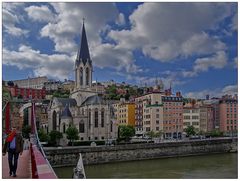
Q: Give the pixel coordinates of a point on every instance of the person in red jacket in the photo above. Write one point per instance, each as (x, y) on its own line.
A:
(14, 146)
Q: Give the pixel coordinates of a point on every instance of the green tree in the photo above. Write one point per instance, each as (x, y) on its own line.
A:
(190, 130)
(25, 131)
(54, 137)
(151, 134)
(159, 134)
(43, 137)
(126, 132)
(72, 133)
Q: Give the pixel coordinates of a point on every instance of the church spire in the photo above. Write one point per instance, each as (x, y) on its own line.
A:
(83, 53)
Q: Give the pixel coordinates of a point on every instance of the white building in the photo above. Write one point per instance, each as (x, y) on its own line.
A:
(191, 117)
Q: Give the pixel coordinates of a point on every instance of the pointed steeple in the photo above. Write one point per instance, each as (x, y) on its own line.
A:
(83, 53)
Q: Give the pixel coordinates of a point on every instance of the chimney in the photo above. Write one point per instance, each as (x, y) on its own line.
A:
(178, 94)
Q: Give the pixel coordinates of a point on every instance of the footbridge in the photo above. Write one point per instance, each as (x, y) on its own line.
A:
(33, 163)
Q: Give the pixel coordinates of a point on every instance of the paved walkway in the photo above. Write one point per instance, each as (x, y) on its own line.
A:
(23, 170)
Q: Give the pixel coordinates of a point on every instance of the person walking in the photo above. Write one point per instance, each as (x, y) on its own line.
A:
(14, 146)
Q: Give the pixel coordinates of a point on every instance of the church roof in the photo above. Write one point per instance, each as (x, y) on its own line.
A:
(93, 100)
(83, 53)
(67, 101)
(66, 112)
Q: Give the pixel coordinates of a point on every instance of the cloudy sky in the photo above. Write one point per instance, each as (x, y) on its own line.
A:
(193, 46)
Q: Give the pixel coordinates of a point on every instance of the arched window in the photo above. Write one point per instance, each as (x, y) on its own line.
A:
(102, 118)
(96, 117)
(89, 118)
(81, 76)
(54, 118)
(87, 76)
(64, 128)
(111, 126)
(81, 127)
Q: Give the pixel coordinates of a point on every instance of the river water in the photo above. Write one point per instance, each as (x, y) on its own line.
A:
(224, 165)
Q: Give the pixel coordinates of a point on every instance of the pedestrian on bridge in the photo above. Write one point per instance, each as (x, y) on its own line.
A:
(14, 146)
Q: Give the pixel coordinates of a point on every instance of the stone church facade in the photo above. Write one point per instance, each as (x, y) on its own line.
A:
(86, 110)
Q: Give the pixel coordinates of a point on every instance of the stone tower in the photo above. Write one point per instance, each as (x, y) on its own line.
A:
(83, 64)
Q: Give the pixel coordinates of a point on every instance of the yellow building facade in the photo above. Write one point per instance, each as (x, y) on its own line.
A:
(125, 113)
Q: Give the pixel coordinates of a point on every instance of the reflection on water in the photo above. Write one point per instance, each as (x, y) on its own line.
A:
(205, 166)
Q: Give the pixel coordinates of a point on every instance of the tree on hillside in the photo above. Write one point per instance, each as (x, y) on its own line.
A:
(72, 133)
(190, 130)
(126, 132)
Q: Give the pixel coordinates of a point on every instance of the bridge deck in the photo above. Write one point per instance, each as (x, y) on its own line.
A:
(24, 166)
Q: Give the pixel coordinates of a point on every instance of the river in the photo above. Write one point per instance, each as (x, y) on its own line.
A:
(214, 166)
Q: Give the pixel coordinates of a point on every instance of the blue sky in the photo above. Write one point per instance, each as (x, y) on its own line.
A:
(192, 46)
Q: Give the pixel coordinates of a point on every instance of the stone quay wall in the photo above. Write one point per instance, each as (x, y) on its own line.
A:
(68, 156)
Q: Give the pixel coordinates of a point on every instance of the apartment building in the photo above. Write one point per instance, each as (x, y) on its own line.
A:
(191, 116)
(228, 107)
(35, 82)
(125, 113)
(172, 116)
(149, 113)
(206, 118)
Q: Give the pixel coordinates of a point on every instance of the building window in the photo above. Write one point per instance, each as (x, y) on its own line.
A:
(81, 138)
(87, 76)
(81, 127)
(64, 128)
(89, 118)
(81, 76)
(147, 128)
(195, 117)
(157, 128)
(102, 137)
(96, 138)
(111, 126)
(157, 121)
(96, 118)
(157, 115)
(102, 118)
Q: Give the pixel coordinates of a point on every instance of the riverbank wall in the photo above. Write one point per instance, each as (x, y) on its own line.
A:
(68, 156)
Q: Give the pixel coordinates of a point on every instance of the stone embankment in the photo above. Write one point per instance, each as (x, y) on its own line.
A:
(68, 156)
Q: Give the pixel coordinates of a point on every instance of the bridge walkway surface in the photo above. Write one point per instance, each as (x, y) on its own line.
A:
(24, 166)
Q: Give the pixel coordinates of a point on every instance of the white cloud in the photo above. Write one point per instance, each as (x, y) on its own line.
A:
(40, 13)
(234, 24)
(69, 24)
(107, 55)
(218, 92)
(165, 31)
(121, 19)
(56, 66)
(9, 21)
(217, 61)
(236, 62)
(230, 89)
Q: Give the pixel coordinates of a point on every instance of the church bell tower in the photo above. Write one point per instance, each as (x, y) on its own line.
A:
(83, 64)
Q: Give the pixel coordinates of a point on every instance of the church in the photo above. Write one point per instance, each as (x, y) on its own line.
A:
(85, 109)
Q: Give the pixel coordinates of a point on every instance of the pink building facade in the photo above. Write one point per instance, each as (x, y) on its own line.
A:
(172, 116)
(228, 107)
